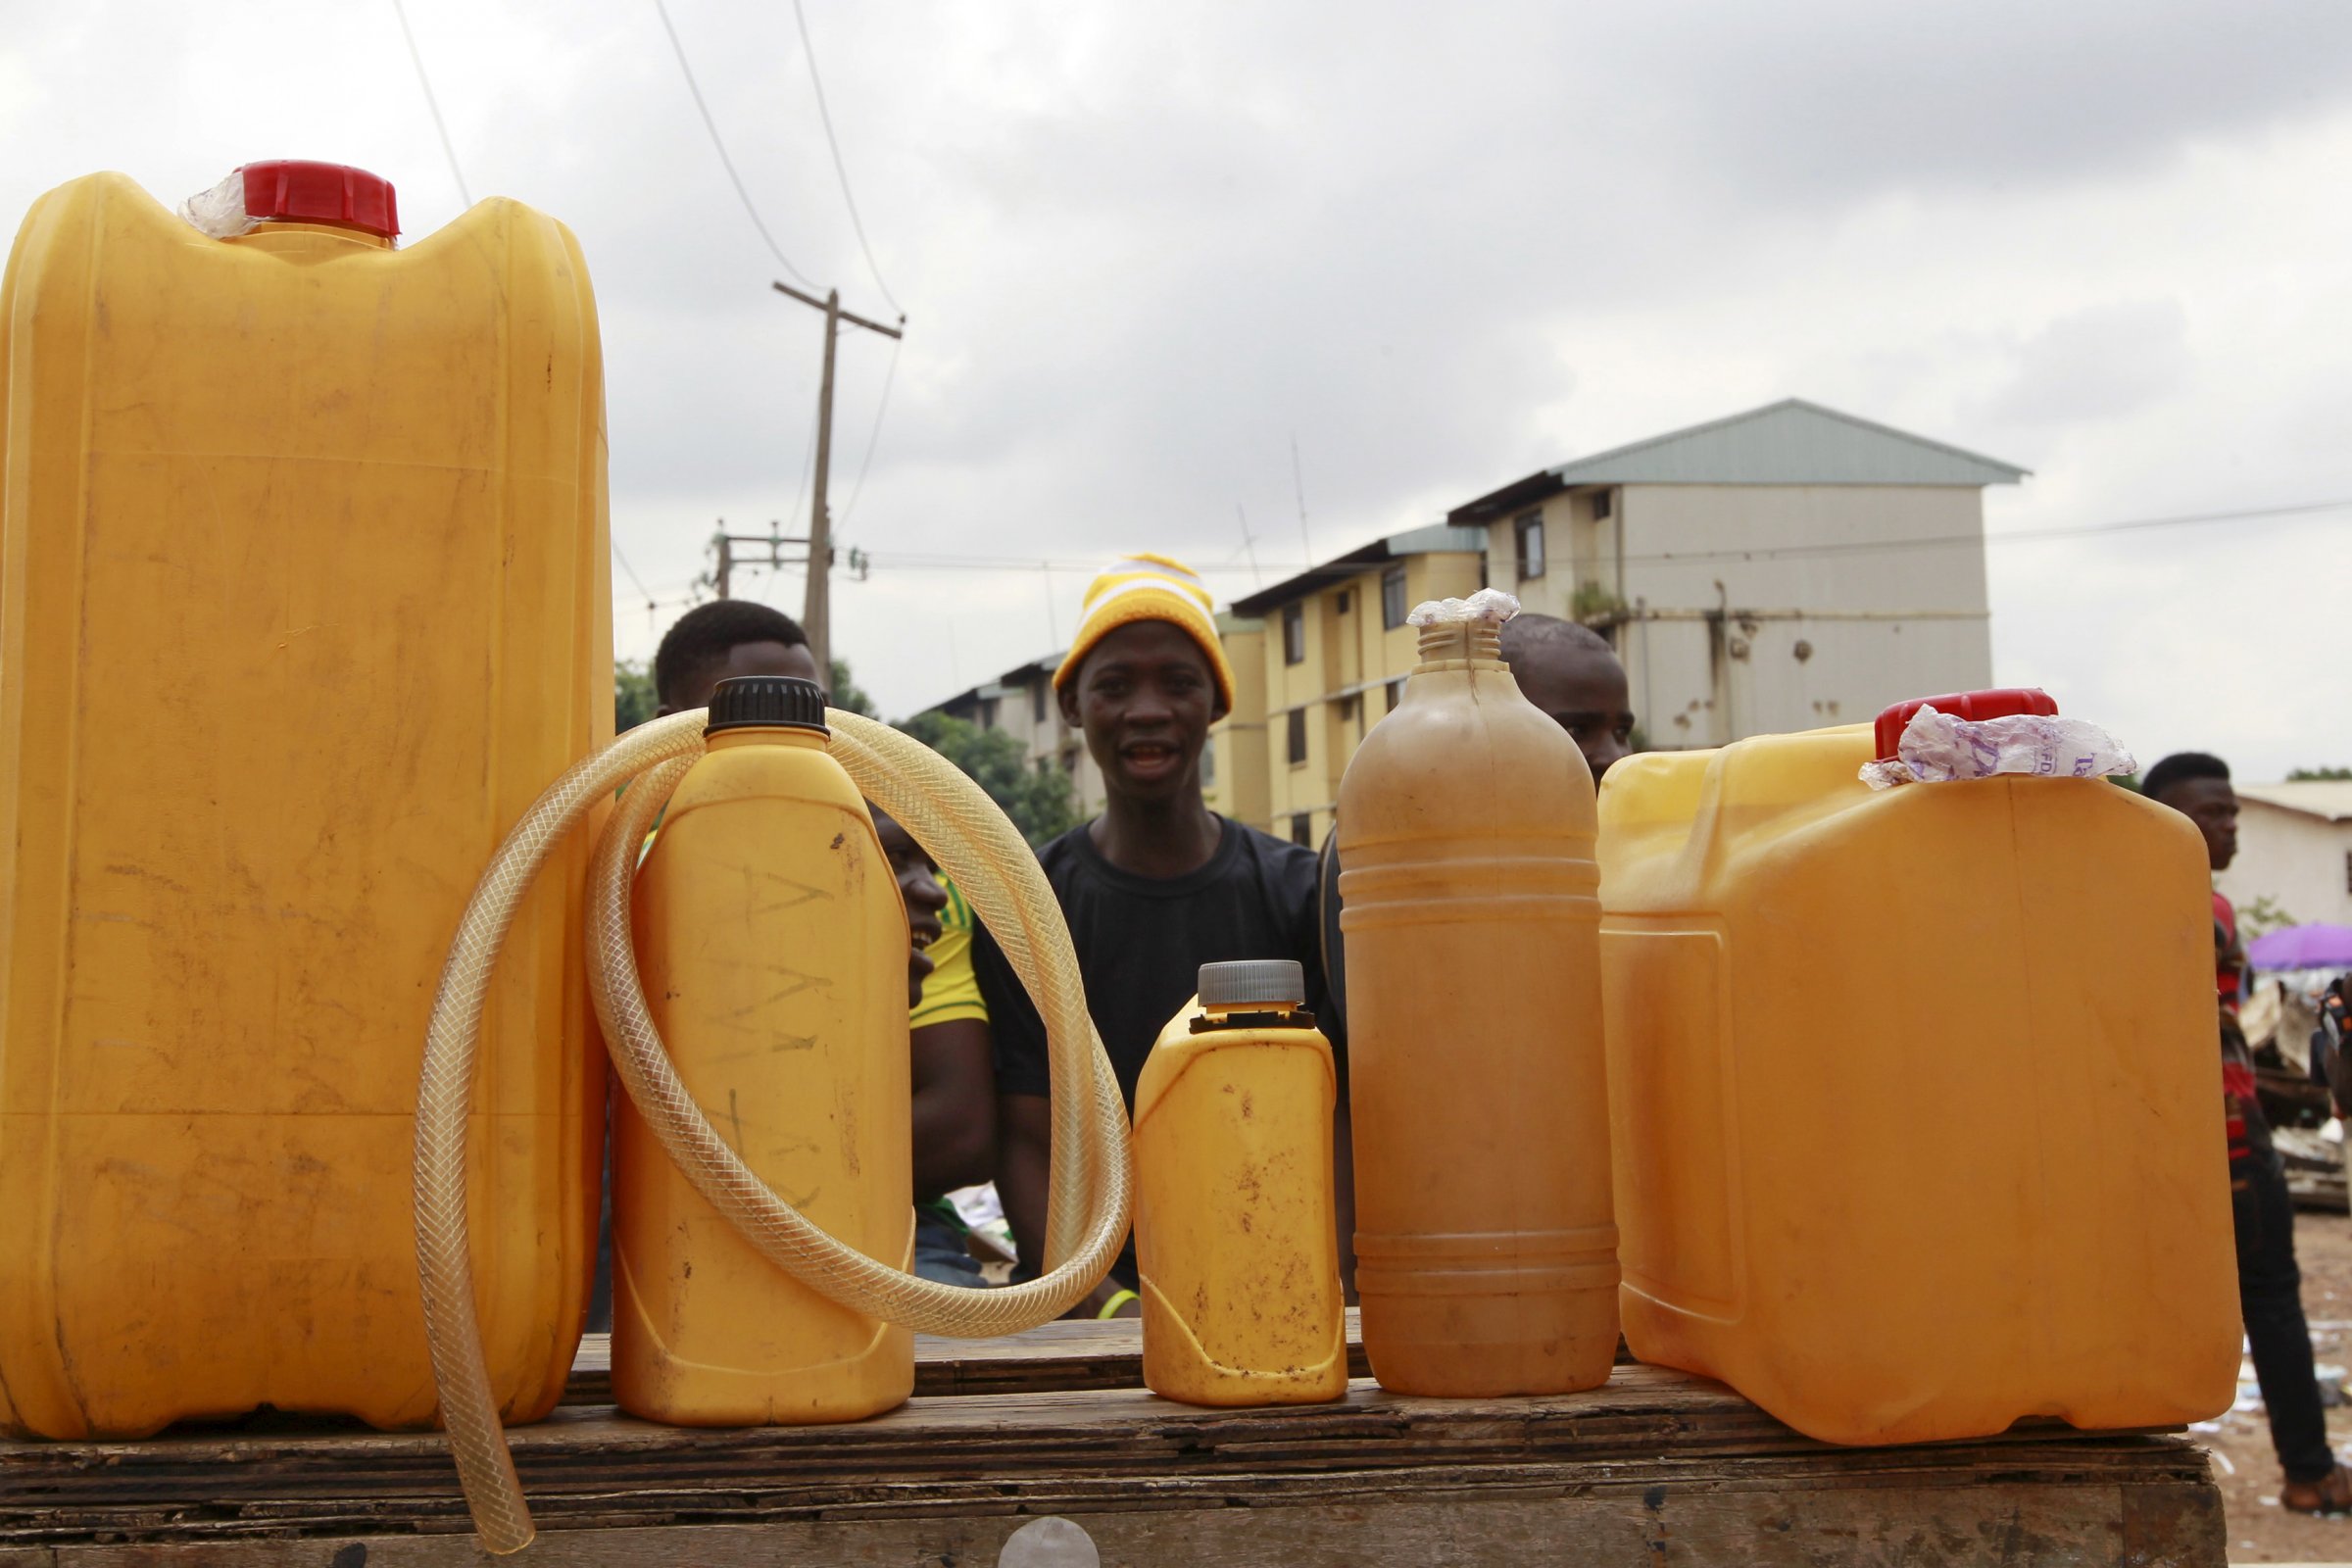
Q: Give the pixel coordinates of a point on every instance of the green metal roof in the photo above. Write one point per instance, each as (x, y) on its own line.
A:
(1790, 442)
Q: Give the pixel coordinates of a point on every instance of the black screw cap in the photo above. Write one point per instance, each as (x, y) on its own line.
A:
(769, 701)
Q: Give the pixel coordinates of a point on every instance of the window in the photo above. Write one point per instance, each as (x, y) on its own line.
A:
(1527, 533)
(1294, 634)
(1347, 707)
(1298, 737)
(1302, 829)
(1036, 704)
(1347, 601)
(1391, 598)
(1604, 502)
(988, 713)
(1395, 694)
(1208, 761)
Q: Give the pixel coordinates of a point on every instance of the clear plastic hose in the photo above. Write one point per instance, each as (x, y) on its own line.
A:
(952, 818)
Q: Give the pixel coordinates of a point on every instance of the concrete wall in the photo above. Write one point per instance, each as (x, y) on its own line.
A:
(1769, 620)
(1342, 684)
(1025, 708)
(2301, 862)
(1238, 783)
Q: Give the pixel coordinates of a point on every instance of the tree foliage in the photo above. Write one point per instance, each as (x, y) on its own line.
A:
(1037, 797)
(2319, 775)
(847, 695)
(633, 699)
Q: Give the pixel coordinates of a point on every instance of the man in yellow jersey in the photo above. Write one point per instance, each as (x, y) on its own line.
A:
(955, 1094)
(954, 1080)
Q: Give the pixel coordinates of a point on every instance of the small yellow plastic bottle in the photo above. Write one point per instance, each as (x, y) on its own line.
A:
(1235, 1234)
(774, 949)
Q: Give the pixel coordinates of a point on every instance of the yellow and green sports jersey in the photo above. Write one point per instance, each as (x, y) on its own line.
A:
(951, 991)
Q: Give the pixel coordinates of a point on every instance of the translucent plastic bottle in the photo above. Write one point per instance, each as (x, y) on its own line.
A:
(773, 948)
(1917, 1120)
(1236, 1240)
(303, 601)
(1485, 1255)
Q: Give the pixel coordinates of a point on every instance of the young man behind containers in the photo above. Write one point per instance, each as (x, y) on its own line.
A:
(1155, 886)
(2269, 1283)
(955, 1094)
(1572, 673)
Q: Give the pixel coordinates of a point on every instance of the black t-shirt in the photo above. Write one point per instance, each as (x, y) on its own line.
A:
(1142, 940)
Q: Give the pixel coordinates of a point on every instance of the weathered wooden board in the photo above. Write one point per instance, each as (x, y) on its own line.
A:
(1073, 1353)
(1654, 1467)
(1768, 1512)
(1654, 1458)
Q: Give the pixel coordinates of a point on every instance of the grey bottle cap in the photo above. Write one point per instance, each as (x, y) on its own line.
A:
(1278, 981)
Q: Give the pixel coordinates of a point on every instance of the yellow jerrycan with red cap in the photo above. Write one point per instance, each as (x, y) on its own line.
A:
(303, 600)
(1915, 1093)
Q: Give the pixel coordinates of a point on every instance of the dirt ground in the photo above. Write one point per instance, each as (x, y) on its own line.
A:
(2260, 1531)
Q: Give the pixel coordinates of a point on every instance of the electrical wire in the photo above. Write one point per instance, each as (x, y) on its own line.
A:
(825, 114)
(881, 406)
(921, 561)
(751, 210)
(631, 572)
(448, 148)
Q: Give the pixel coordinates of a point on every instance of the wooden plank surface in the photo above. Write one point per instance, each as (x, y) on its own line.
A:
(1066, 1354)
(1655, 1466)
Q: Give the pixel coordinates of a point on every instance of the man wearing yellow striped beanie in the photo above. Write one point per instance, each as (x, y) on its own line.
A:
(1154, 888)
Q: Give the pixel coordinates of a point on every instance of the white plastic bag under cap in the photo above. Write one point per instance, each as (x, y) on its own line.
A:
(1939, 747)
(221, 211)
(1487, 604)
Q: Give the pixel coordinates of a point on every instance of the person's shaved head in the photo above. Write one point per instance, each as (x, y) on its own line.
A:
(1572, 673)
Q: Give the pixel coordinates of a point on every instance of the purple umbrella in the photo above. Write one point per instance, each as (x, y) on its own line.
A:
(2303, 946)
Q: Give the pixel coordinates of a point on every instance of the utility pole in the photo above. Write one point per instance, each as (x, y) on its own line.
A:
(817, 618)
(721, 577)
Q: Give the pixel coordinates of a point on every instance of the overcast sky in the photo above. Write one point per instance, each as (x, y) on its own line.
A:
(1143, 248)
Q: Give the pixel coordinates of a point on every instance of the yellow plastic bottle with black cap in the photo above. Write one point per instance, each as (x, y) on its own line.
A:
(772, 944)
(1236, 1241)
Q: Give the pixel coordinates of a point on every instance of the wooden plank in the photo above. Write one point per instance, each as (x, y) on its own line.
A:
(590, 1466)
(1774, 1513)
(1072, 1354)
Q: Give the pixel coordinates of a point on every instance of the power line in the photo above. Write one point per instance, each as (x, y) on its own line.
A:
(631, 570)
(448, 148)
(824, 114)
(799, 495)
(921, 560)
(881, 406)
(728, 164)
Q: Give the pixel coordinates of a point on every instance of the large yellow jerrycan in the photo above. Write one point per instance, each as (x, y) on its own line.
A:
(1915, 1093)
(772, 944)
(303, 600)
(1486, 1257)
(1237, 1241)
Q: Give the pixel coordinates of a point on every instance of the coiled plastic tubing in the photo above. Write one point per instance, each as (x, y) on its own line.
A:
(973, 842)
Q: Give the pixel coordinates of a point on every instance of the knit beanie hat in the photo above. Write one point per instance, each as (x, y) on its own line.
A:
(1146, 587)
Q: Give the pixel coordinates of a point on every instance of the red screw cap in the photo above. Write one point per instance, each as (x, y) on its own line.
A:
(1971, 705)
(321, 193)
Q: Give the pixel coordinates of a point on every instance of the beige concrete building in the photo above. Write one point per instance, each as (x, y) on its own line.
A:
(1021, 703)
(1332, 650)
(2294, 849)
(1781, 569)
(1235, 779)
